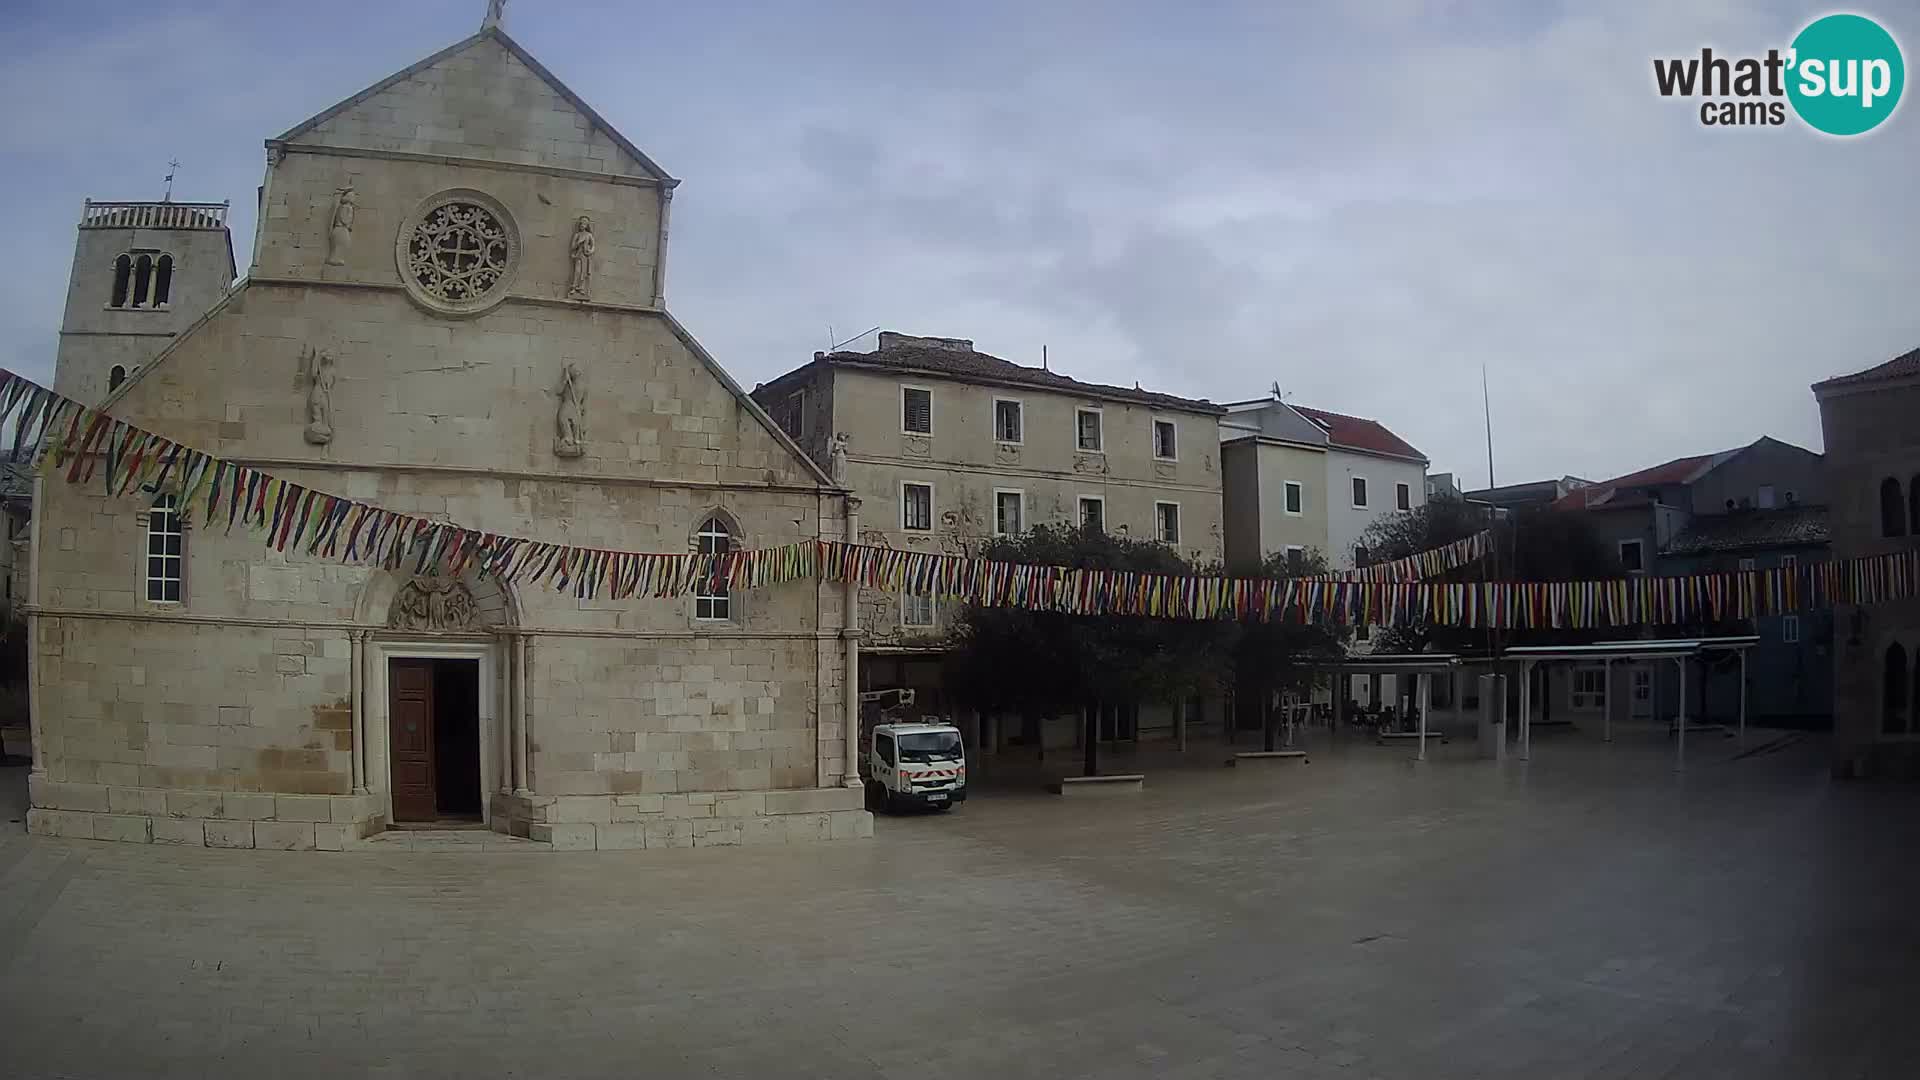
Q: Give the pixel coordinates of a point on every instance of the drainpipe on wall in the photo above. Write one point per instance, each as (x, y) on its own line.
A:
(850, 633)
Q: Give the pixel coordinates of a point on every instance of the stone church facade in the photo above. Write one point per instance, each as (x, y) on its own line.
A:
(456, 309)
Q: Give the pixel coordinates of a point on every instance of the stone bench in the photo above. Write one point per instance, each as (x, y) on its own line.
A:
(1113, 784)
(1255, 756)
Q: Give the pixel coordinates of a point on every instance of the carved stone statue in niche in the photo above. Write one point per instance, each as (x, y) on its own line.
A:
(581, 248)
(570, 436)
(837, 459)
(340, 230)
(317, 367)
(434, 604)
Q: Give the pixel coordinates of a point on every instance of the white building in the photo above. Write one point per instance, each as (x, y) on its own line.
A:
(1368, 472)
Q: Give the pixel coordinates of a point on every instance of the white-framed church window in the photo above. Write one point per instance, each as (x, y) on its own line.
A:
(166, 551)
(711, 600)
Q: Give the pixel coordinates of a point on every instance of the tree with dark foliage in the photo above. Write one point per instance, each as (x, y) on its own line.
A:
(1042, 663)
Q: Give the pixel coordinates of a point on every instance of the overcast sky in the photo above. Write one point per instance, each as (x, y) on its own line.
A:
(1363, 202)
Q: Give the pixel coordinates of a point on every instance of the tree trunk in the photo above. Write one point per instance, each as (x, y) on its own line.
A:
(1091, 739)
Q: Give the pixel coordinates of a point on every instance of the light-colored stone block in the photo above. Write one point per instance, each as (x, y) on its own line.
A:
(189, 831)
(145, 802)
(284, 835)
(246, 806)
(60, 795)
(123, 828)
(577, 809)
(567, 836)
(302, 808)
(814, 800)
(850, 824)
(230, 834)
(194, 804)
(668, 833)
(331, 837)
(73, 824)
(624, 836)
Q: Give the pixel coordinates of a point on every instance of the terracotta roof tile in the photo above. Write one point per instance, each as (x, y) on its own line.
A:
(1359, 433)
(1786, 526)
(1905, 365)
(967, 363)
(1621, 491)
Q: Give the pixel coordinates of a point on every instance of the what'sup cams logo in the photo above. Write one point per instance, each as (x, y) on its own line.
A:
(1842, 75)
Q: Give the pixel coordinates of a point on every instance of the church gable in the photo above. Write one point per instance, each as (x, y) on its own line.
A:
(483, 98)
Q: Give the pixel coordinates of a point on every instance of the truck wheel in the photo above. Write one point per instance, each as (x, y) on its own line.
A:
(948, 807)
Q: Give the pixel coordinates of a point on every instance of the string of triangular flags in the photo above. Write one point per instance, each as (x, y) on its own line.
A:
(1425, 564)
(65, 439)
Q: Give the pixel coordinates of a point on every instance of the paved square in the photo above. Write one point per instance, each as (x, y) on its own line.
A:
(1591, 914)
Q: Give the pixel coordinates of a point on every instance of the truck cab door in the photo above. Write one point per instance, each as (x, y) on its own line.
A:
(885, 764)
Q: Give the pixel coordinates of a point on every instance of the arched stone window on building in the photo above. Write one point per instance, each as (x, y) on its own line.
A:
(162, 281)
(1893, 509)
(122, 281)
(1893, 700)
(115, 377)
(142, 279)
(166, 552)
(711, 601)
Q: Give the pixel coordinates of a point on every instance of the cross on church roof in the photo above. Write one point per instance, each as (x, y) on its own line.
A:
(496, 14)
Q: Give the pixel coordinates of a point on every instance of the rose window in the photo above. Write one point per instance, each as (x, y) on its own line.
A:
(457, 252)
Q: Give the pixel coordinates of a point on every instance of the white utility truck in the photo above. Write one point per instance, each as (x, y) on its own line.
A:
(909, 763)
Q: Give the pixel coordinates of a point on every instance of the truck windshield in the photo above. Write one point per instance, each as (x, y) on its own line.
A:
(930, 746)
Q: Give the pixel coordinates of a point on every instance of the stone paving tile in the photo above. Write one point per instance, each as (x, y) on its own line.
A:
(1591, 914)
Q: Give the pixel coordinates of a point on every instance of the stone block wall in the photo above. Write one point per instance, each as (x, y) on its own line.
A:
(230, 819)
(698, 819)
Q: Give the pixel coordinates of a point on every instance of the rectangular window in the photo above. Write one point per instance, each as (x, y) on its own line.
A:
(1589, 688)
(1009, 513)
(1765, 502)
(916, 507)
(1165, 443)
(1746, 564)
(1362, 632)
(1009, 421)
(1790, 629)
(793, 417)
(1296, 558)
(1087, 434)
(1359, 492)
(1789, 562)
(1296, 497)
(916, 609)
(1403, 496)
(916, 410)
(1631, 557)
(1093, 512)
(1166, 517)
(164, 551)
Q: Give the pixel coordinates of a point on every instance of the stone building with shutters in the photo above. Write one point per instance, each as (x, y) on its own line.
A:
(455, 308)
(947, 447)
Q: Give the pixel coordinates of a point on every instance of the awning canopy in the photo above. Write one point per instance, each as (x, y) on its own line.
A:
(1647, 649)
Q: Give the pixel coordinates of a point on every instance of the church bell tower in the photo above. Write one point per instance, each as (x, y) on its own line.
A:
(142, 273)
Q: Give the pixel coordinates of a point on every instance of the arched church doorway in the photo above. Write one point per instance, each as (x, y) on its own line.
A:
(434, 691)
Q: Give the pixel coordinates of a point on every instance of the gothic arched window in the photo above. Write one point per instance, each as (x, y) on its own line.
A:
(115, 377)
(142, 280)
(162, 280)
(1893, 510)
(711, 602)
(122, 279)
(1893, 703)
(165, 554)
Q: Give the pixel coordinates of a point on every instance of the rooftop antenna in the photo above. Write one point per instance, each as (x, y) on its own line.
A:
(1486, 408)
(1277, 395)
(1043, 359)
(173, 165)
(849, 341)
